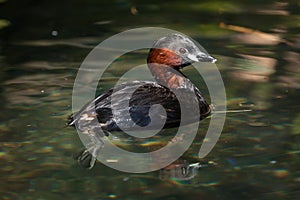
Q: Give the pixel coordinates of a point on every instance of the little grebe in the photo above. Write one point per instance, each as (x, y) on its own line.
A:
(165, 59)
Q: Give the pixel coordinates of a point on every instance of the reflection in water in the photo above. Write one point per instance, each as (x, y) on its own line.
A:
(276, 8)
(254, 68)
(250, 36)
(82, 42)
(182, 171)
(257, 46)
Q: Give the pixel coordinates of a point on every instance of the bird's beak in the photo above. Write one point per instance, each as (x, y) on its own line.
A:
(202, 57)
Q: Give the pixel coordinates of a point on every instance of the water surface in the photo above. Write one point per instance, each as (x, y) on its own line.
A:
(257, 45)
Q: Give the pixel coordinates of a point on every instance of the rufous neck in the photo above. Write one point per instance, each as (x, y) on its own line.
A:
(166, 75)
(162, 64)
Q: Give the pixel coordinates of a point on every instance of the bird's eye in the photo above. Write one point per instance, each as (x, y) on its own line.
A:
(182, 50)
(162, 55)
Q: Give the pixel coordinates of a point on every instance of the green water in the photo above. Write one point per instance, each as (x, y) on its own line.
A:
(257, 44)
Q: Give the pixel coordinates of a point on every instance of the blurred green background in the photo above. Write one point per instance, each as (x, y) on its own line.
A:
(257, 44)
